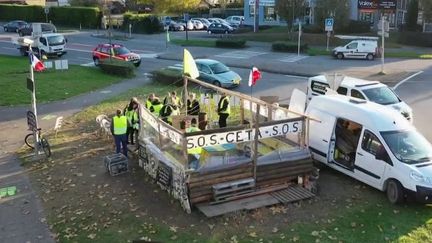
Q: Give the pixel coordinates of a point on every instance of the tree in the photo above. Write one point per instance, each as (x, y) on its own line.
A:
(290, 10)
(412, 15)
(426, 6)
(337, 9)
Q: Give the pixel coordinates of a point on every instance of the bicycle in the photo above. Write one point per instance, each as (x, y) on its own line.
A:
(43, 144)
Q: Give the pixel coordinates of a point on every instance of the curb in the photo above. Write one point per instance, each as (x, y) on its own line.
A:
(267, 70)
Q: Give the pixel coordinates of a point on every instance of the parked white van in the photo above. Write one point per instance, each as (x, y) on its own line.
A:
(371, 143)
(359, 47)
(374, 91)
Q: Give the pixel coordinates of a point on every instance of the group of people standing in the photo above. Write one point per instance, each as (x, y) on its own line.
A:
(125, 124)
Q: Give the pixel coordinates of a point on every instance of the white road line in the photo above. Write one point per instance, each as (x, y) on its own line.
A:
(149, 55)
(293, 58)
(90, 64)
(295, 76)
(241, 54)
(408, 78)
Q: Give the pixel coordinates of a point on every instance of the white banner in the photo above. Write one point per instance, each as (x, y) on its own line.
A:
(244, 135)
(164, 130)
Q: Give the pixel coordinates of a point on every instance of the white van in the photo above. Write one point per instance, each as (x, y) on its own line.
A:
(363, 89)
(371, 143)
(359, 47)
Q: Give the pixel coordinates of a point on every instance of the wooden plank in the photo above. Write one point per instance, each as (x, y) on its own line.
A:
(285, 164)
(197, 177)
(221, 179)
(288, 173)
(285, 170)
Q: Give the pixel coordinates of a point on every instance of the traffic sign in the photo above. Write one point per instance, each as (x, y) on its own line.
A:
(46, 10)
(386, 34)
(329, 24)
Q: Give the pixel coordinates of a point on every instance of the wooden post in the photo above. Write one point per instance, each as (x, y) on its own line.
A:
(186, 96)
(255, 147)
(185, 153)
(241, 111)
(159, 135)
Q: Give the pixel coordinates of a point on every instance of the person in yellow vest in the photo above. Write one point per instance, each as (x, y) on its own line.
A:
(193, 153)
(131, 113)
(149, 100)
(169, 110)
(118, 130)
(176, 100)
(156, 107)
(223, 110)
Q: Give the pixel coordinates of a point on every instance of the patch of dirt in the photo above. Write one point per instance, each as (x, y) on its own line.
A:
(79, 195)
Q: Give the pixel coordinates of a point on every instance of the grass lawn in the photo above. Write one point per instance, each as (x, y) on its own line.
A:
(93, 207)
(51, 85)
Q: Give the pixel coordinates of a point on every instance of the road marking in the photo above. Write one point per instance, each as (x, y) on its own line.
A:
(90, 64)
(295, 76)
(241, 54)
(80, 50)
(145, 55)
(292, 58)
(408, 78)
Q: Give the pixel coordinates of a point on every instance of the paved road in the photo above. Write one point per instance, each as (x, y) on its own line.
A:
(22, 219)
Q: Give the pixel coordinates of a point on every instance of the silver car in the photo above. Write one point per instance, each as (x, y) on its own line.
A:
(216, 73)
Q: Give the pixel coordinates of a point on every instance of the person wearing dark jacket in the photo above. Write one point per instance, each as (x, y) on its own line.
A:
(131, 113)
(223, 109)
(193, 106)
(168, 111)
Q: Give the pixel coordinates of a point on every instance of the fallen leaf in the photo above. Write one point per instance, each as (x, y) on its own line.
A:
(91, 236)
(173, 229)
(315, 233)
(275, 230)
(253, 234)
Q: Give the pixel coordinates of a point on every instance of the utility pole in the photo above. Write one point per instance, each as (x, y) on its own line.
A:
(382, 41)
(299, 38)
(256, 17)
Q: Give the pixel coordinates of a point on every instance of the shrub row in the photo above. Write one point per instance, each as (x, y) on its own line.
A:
(88, 17)
(142, 23)
(288, 47)
(168, 76)
(230, 43)
(415, 39)
(353, 27)
(118, 68)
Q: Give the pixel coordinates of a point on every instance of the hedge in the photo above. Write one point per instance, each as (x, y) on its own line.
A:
(142, 23)
(230, 43)
(415, 39)
(288, 47)
(168, 76)
(355, 27)
(119, 68)
(88, 17)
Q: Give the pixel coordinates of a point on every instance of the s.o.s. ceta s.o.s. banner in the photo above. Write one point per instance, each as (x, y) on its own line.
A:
(244, 135)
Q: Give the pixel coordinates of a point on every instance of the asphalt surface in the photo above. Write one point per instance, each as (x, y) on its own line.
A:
(22, 218)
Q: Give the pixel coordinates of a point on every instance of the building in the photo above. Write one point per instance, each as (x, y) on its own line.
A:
(365, 10)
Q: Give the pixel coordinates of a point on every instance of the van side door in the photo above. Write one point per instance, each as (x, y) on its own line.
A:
(321, 141)
(367, 168)
(352, 50)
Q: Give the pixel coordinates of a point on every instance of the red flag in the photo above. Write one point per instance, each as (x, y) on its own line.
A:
(254, 75)
(36, 63)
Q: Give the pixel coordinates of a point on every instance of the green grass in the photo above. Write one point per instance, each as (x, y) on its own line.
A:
(194, 42)
(51, 85)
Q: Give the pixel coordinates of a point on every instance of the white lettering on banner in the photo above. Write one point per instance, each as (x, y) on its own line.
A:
(244, 135)
(164, 131)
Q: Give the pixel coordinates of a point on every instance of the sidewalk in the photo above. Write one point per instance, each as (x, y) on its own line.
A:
(21, 217)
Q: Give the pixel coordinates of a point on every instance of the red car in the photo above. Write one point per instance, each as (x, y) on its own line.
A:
(117, 51)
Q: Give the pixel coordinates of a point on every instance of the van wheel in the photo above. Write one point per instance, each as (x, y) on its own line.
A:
(340, 55)
(394, 192)
(370, 57)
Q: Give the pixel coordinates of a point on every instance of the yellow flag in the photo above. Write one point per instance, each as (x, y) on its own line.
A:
(189, 66)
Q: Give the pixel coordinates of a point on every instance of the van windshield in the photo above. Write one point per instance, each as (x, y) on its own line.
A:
(56, 40)
(409, 147)
(382, 95)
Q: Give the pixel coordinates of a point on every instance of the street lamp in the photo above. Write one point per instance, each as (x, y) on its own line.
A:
(28, 42)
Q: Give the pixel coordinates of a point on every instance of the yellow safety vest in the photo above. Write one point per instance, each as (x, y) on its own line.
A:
(228, 109)
(120, 125)
(196, 150)
(148, 104)
(156, 109)
(132, 115)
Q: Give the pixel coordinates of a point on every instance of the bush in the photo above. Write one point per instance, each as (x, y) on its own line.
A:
(314, 28)
(355, 26)
(288, 47)
(415, 39)
(168, 76)
(230, 43)
(67, 16)
(142, 23)
(119, 68)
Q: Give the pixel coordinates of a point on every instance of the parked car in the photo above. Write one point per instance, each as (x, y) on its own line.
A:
(216, 73)
(204, 21)
(13, 26)
(222, 21)
(28, 29)
(187, 25)
(217, 28)
(197, 24)
(174, 26)
(235, 20)
(116, 51)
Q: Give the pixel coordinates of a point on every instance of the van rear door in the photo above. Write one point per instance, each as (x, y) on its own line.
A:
(316, 87)
(321, 141)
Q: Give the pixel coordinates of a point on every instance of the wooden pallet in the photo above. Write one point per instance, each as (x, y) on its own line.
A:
(222, 192)
(292, 194)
